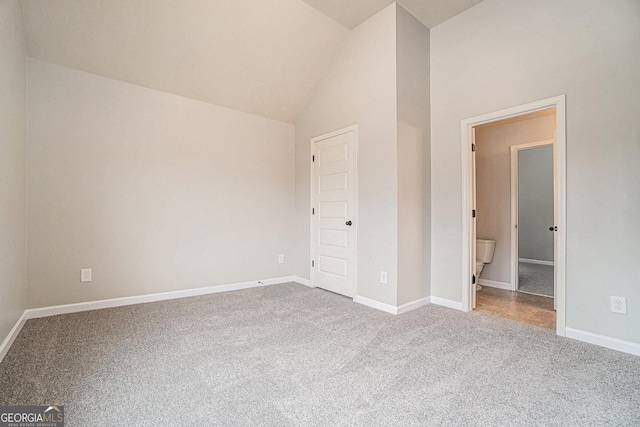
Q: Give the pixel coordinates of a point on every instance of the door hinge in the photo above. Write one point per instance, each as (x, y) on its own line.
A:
(473, 147)
(313, 211)
(473, 213)
(313, 158)
(473, 279)
(313, 263)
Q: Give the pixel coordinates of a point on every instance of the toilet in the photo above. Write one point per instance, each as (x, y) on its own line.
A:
(484, 255)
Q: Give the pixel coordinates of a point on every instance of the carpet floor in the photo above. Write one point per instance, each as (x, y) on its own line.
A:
(288, 355)
(535, 279)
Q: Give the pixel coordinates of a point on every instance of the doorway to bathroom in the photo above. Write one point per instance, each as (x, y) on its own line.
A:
(522, 277)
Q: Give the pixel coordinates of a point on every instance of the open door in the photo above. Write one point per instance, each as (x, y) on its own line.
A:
(555, 222)
(532, 183)
(474, 279)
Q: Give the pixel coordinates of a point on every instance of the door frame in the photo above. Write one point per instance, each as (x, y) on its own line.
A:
(468, 264)
(312, 237)
(514, 150)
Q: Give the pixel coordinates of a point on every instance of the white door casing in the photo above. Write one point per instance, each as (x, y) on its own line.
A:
(334, 219)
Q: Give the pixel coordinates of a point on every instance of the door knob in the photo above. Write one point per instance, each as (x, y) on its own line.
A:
(349, 223)
(555, 228)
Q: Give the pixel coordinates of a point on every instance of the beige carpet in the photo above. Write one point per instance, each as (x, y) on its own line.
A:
(287, 355)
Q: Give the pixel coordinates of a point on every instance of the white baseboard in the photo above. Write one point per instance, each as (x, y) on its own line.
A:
(603, 341)
(413, 305)
(446, 303)
(141, 299)
(302, 281)
(267, 282)
(535, 261)
(388, 308)
(13, 333)
(35, 313)
(494, 284)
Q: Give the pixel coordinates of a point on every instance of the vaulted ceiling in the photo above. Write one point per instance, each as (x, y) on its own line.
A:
(263, 57)
(351, 13)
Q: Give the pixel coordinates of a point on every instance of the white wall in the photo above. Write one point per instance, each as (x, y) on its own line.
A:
(535, 204)
(502, 53)
(152, 191)
(414, 166)
(493, 186)
(13, 128)
(379, 81)
(359, 88)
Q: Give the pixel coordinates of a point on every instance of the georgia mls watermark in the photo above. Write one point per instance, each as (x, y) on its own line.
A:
(31, 416)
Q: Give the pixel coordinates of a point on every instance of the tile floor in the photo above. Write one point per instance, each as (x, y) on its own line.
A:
(533, 309)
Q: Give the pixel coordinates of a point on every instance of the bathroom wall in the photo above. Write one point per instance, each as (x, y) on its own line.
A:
(535, 204)
(493, 165)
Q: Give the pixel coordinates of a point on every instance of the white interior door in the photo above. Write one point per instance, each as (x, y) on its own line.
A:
(555, 224)
(334, 221)
(474, 283)
(516, 156)
(515, 237)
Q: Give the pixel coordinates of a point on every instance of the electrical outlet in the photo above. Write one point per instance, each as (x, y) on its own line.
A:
(383, 277)
(281, 259)
(619, 305)
(85, 275)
